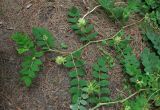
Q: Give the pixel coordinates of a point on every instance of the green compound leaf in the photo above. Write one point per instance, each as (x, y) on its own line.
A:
(73, 12)
(27, 81)
(23, 42)
(75, 98)
(106, 4)
(85, 96)
(103, 83)
(104, 99)
(153, 37)
(43, 37)
(104, 69)
(35, 68)
(77, 54)
(31, 63)
(104, 91)
(93, 100)
(80, 82)
(72, 20)
(82, 108)
(83, 102)
(104, 76)
(37, 62)
(120, 12)
(157, 101)
(132, 65)
(74, 107)
(89, 37)
(95, 74)
(76, 63)
(22, 50)
(70, 64)
(101, 61)
(38, 54)
(30, 67)
(75, 27)
(150, 61)
(74, 90)
(96, 67)
(99, 73)
(74, 82)
(88, 29)
(64, 46)
(140, 103)
(79, 72)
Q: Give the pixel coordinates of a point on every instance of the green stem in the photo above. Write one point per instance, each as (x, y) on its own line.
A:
(90, 42)
(115, 102)
(153, 94)
(91, 11)
(58, 51)
(76, 72)
(96, 41)
(105, 52)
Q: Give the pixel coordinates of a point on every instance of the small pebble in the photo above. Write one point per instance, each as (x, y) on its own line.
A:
(10, 28)
(29, 5)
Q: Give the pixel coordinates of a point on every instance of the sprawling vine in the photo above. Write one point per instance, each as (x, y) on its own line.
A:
(140, 78)
(143, 74)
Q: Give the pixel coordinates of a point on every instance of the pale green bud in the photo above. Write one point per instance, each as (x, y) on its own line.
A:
(60, 60)
(45, 37)
(81, 22)
(127, 108)
(117, 40)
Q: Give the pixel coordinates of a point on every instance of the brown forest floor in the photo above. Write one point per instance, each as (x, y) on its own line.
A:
(50, 90)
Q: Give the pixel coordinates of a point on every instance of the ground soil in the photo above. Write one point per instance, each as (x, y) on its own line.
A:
(50, 90)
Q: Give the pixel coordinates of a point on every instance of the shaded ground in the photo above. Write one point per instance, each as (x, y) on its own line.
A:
(50, 89)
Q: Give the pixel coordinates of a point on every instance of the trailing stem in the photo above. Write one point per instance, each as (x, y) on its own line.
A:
(115, 102)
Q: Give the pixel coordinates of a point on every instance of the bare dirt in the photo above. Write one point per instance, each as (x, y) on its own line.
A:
(50, 90)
